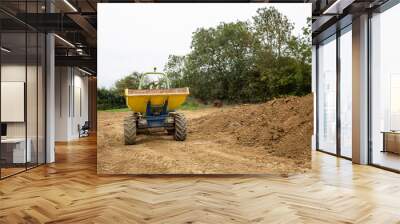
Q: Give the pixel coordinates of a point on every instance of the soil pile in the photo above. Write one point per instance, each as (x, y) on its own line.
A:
(268, 138)
(282, 126)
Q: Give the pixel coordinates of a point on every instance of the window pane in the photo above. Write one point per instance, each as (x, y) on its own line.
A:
(385, 93)
(346, 94)
(327, 96)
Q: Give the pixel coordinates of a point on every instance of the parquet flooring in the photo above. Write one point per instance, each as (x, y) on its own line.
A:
(70, 191)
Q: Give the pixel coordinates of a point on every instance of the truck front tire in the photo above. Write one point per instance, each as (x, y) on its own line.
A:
(180, 127)
(130, 130)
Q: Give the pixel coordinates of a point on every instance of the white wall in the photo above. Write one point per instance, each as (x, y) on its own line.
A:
(71, 102)
(62, 82)
(80, 109)
(12, 73)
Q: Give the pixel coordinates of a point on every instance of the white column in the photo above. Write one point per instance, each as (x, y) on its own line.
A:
(50, 92)
(50, 100)
(360, 90)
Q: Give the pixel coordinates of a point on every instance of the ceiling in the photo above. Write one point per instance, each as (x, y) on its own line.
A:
(75, 21)
(330, 15)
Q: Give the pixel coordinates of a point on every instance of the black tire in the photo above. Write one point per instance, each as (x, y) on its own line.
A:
(130, 130)
(180, 127)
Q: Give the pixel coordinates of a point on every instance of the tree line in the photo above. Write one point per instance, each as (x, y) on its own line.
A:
(238, 62)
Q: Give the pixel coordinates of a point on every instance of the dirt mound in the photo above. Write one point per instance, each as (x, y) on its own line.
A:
(282, 126)
(268, 138)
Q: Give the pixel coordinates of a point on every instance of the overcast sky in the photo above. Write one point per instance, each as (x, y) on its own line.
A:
(138, 37)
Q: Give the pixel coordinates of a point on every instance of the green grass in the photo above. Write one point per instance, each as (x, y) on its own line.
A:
(117, 110)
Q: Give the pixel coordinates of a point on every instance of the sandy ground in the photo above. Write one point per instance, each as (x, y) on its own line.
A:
(269, 138)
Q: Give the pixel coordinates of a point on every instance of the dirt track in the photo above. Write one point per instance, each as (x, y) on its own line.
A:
(269, 138)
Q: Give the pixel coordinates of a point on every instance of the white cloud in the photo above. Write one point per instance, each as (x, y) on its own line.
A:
(138, 37)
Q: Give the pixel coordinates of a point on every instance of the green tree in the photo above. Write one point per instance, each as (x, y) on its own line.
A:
(109, 99)
(218, 65)
(130, 81)
(175, 70)
(246, 61)
(273, 30)
(112, 98)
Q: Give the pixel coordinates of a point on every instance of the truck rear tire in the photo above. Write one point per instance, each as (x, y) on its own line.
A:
(130, 130)
(180, 127)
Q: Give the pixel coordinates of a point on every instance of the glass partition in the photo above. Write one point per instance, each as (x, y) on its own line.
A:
(13, 94)
(22, 77)
(31, 97)
(35, 62)
(327, 95)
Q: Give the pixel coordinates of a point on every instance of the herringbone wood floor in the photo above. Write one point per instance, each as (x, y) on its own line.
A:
(69, 191)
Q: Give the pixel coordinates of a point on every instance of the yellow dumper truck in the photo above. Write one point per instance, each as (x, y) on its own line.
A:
(153, 105)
